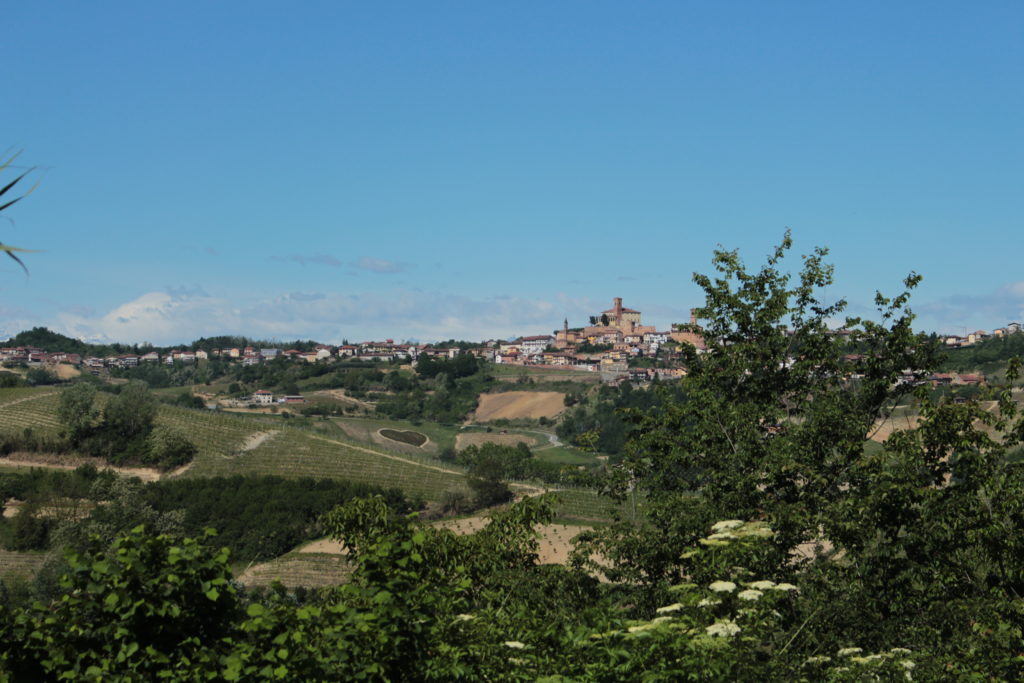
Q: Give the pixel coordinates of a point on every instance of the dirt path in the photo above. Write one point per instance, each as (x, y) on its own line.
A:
(340, 395)
(18, 460)
(26, 398)
(533, 490)
(254, 441)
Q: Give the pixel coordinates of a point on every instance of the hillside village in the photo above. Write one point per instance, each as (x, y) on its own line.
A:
(615, 343)
(613, 338)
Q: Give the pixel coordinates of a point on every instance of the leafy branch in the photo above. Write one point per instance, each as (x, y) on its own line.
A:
(7, 203)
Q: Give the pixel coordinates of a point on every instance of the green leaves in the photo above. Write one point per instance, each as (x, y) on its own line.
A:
(7, 202)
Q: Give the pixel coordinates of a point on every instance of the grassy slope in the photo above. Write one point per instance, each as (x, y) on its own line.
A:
(299, 569)
(23, 566)
(294, 452)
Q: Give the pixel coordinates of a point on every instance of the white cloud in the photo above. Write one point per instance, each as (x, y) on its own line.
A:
(302, 260)
(380, 265)
(952, 314)
(179, 316)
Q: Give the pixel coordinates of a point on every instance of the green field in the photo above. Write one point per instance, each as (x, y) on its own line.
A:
(29, 407)
(564, 455)
(311, 570)
(582, 505)
(228, 444)
(23, 566)
(296, 453)
(532, 438)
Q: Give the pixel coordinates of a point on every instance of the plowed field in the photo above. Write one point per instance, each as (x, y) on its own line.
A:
(512, 405)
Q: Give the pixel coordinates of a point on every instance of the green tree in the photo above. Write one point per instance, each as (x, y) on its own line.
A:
(77, 410)
(41, 377)
(169, 448)
(131, 412)
(149, 608)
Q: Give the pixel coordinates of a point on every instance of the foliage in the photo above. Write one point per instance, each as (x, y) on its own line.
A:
(7, 201)
(77, 410)
(131, 412)
(41, 377)
(10, 380)
(444, 390)
(989, 353)
(600, 421)
(587, 347)
(499, 461)
(169, 448)
(43, 338)
(260, 517)
(145, 609)
(774, 545)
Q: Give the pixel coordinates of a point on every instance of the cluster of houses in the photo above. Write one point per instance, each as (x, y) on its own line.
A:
(378, 351)
(955, 342)
(264, 397)
(613, 338)
(31, 354)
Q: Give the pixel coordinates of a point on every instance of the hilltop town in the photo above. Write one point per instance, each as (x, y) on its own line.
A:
(615, 343)
(613, 339)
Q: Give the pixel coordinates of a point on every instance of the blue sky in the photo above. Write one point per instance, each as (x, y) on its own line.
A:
(353, 170)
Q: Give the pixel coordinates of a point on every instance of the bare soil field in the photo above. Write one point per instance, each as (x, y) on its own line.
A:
(64, 371)
(555, 539)
(465, 439)
(883, 429)
(512, 405)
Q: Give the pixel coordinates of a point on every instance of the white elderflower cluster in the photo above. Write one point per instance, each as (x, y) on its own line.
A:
(723, 629)
(675, 607)
(722, 586)
(749, 594)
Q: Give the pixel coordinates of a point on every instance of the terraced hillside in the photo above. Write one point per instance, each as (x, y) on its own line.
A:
(242, 444)
(311, 570)
(29, 407)
(238, 444)
(297, 453)
(15, 565)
